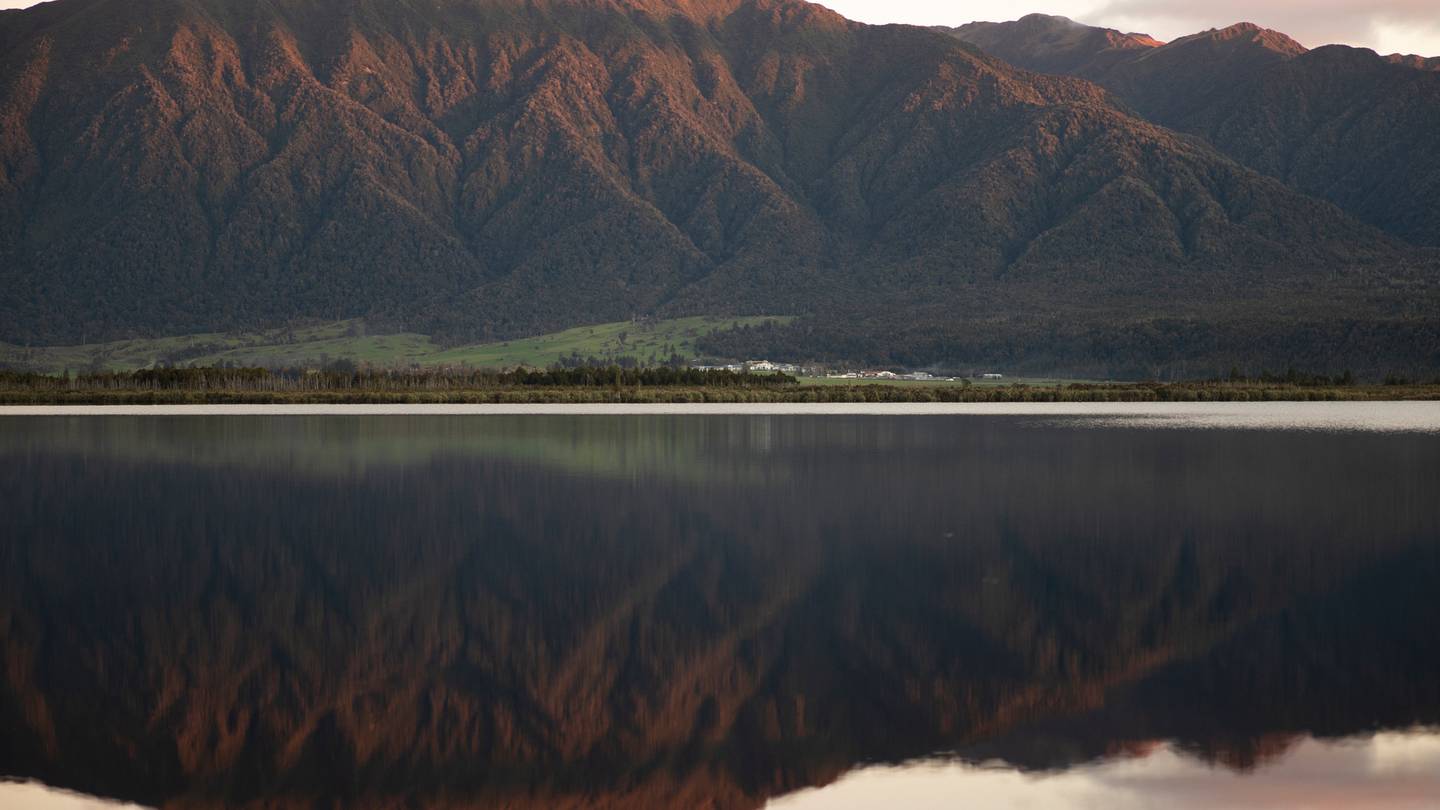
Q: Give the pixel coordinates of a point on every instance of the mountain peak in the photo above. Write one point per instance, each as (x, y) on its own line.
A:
(1246, 34)
(1052, 44)
(1065, 25)
(1048, 20)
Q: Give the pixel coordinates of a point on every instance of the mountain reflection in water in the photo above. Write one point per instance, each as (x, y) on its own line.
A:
(1388, 771)
(697, 611)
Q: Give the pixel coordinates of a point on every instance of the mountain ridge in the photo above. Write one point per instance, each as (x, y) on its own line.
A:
(1412, 60)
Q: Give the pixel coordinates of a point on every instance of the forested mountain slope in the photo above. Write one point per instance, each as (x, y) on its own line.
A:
(494, 168)
(1338, 122)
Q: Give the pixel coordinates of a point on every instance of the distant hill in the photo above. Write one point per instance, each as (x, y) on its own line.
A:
(486, 169)
(1338, 122)
(1052, 44)
(1411, 60)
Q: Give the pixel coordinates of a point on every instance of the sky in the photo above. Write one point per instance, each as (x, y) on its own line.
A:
(1388, 26)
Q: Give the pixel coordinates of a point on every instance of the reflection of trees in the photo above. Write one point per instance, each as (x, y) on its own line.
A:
(503, 632)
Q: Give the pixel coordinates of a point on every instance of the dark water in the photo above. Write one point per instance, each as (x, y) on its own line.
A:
(717, 611)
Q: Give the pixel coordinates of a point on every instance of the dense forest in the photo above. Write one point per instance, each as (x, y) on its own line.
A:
(338, 378)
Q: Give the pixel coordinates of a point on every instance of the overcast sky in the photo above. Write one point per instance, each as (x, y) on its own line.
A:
(1388, 26)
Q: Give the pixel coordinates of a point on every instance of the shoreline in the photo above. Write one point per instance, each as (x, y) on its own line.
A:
(651, 397)
(1373, 416)
(1064, 408)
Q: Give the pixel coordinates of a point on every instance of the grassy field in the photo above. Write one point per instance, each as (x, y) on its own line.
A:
(650, 342)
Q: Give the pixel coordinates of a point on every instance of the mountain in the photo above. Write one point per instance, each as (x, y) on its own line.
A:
(1338, 122)
(498, 168)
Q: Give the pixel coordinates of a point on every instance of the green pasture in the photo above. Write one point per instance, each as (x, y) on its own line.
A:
(648, 341)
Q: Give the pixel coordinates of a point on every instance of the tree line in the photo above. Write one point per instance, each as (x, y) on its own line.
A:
(339, 378)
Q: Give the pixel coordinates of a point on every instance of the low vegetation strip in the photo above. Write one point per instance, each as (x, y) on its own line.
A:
(613, 384)
(627, 343)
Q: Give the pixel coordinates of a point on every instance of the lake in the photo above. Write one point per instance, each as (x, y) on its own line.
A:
(780, 606)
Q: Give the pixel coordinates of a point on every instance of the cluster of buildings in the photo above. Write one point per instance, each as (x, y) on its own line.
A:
(761, 367)
(766, 367)
(920, 376)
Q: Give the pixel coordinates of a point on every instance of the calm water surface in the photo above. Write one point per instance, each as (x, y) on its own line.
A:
(1116, 607)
